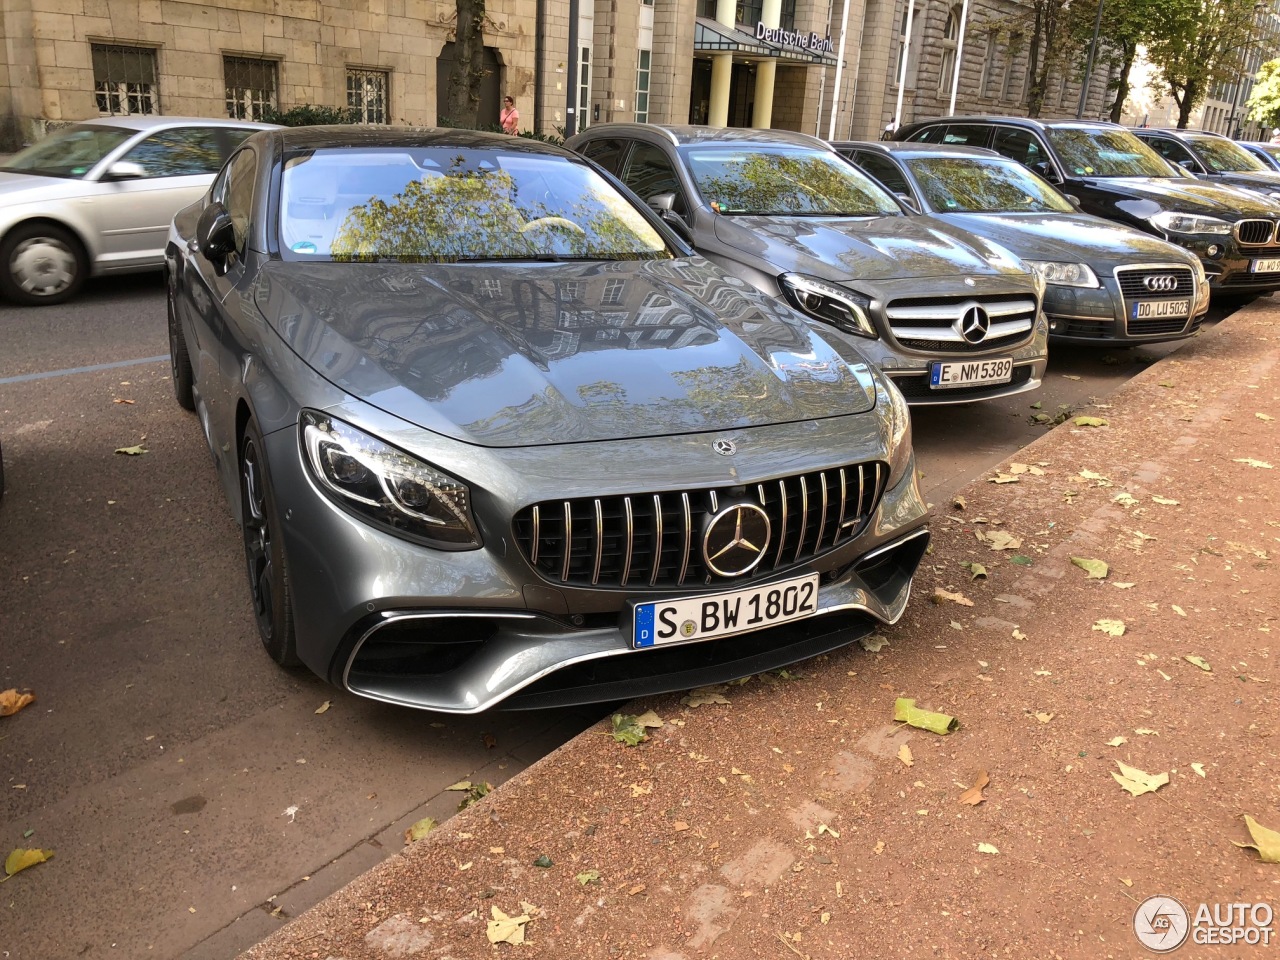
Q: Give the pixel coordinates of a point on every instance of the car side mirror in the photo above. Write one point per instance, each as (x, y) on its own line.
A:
(125, 170)
(1072, 199)
(1189, 165)
(1045, 169)
(663, 204)
(908, 201)
(215, 234)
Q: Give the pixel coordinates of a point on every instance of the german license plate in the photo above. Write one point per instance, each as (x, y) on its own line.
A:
(1265, 266)
(723, 614)
(967, 372)
(1145, 309)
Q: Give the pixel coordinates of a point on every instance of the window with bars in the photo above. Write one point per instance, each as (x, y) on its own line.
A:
(124, 79)
(251, 86)
(368, 94)
(642, 86)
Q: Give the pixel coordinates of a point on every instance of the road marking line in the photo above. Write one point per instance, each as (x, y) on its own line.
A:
(72, 370)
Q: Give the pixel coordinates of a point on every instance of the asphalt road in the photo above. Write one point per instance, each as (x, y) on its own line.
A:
(192, 794)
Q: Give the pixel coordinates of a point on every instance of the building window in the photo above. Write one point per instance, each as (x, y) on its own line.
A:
(367, 94)
(584, 89)
(642, 86)
(950, 33)
(251, 86)
(707, 8)
(750, 12)
(787, 21)
(987, 83)
(124, 79)
(896, 73)
(1007, 91)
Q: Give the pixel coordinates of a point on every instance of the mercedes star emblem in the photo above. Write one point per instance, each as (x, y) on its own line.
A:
(974, 324)
(1163, 284)
(725, 447)
(736, 539)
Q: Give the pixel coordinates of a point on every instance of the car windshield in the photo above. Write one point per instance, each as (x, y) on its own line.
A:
(70, 153)
(1226, 156)
(1098, 152)
(785, 181)
(973, 185)
(452, 204)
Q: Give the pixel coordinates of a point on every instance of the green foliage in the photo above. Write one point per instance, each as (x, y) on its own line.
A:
(627, 730)
(309, 115)
(1196, 43)
(1264, 104)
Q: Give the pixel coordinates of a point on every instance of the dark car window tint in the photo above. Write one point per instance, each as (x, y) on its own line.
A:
(177, 153)
(1171, 150)
(984, 185)
(1107, 152)
(884, 170)
(967, 134)
(455, 204)
(929, 134)
(650, 173)
(238, 194)
(607, 152)
(785, 181)
(1019, 145)
(1226, 156)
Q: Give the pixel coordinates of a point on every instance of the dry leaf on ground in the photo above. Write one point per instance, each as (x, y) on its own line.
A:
(1096, 569)
(999, 540)
(976, 569)
(22, 858)
(137, 451)
(324, 707)
(1112, 628)
(1200, 662)
(1264, 417)
(988, 848)
(906, 711)
(419, 829)
(904, 754)
(704, 696)
(973, 796)
(505, 929)
(1117, 741)
(1003, 478)
(1249, 461)
(11, 701)
(873, 643)
(1198, 768)
(1265, 840)
(940, 595)
(1166, 501)
(1138, 782)
(1090, 422)
(1044, 717)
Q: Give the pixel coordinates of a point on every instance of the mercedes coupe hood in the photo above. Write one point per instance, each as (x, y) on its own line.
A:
(874, 248)
(508, 355)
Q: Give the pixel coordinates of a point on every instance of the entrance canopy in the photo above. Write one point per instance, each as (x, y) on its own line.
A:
(712, 36)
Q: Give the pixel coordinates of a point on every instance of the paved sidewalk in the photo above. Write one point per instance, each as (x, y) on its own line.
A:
(798, 820)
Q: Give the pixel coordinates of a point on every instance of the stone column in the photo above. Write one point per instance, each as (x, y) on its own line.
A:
(766, 71)
(722, 69)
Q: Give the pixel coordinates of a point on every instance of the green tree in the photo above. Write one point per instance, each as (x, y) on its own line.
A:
(1264, 103)
(1050, 22)
(1126, 26)
(1196, 43)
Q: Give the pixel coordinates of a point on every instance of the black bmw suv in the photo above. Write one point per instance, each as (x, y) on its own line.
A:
(1113, 174)
(1212, 157)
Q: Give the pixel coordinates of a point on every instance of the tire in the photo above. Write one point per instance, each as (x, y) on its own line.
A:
(264, 551)
(179, 359)
(41, 264)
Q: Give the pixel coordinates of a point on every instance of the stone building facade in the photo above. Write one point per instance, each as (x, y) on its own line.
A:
(568, 63)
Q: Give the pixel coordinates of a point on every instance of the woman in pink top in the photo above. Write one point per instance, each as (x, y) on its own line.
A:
(510, 116)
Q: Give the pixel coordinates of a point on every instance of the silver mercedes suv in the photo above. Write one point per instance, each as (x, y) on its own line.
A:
(950, 316)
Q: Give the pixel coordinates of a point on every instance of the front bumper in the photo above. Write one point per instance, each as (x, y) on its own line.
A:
(1228, 264)
(1098, 315)
(465, 631)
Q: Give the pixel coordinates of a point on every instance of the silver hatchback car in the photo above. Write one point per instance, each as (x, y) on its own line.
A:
(950, 316)
(98, 197)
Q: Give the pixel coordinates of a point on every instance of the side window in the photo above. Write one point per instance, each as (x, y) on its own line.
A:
(884, 170)
(607, 152)
(177, 153)
(650, 172)
(968, 134)
(1019, 145)
(929, 134)
(237, 194)
(1171, 150)
(232, 137)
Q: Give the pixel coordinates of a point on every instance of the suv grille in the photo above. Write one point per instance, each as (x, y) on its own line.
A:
(1255, 232)
(936, 324)
(655, 539)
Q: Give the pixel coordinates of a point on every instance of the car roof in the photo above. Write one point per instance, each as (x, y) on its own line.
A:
(360, 135)
(684, 134)
(913, 149)
(139, 122)
(1175, 132)
(1036, 124)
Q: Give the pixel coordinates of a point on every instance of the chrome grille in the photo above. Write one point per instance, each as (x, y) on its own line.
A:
(655, 539)
(1132, 282)
(932, 324)
(1255, 232)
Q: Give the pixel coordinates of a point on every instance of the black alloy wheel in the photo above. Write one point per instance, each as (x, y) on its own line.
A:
(264, 552)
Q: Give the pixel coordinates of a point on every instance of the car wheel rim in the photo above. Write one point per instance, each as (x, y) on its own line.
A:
(257, 538)
(43, 266)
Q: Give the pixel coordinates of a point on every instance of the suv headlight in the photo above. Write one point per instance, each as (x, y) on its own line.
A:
(1064, 274)
(824, 301)
(1202, 287)
(386, 486)
(899, 432)
(1172, 222)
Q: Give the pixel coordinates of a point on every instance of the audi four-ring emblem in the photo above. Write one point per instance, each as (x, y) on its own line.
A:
(1165, 284)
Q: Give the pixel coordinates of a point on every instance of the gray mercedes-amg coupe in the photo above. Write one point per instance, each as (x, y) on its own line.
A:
(495, 434)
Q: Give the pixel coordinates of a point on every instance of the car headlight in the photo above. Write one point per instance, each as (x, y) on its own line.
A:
(899, 433)
(1064, 274)
(387, 486)
(1172, 222)
(1202, 287)
(824, 301)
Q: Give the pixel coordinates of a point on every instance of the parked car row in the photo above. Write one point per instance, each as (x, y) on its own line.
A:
(507, 423)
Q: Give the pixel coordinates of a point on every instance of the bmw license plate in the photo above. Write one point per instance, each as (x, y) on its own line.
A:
(968, 372)
(1265, 266)
(724, 614)
(1152, 309)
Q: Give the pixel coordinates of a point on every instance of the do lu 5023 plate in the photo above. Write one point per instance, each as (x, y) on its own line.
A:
(1152, 309)
(709, 616)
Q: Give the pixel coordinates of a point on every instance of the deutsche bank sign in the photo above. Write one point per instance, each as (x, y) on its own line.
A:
(792, 38)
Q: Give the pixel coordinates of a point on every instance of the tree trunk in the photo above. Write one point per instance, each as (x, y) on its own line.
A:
(462, 100)
(1187, 103)
(1122, 81)
(1035, 94)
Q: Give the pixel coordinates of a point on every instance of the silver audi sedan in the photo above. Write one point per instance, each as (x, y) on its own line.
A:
(97, 197)
(495, 435)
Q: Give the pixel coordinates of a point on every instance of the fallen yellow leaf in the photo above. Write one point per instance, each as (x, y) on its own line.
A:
(904, 754)
(1265, 840)
(1138, 782)
(22, 858)
(973, 796)
(1112, 628)
(324, 707)
(1044, 717)
(939, 595)
(988, 848)
(505, 929)
(11, 701)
